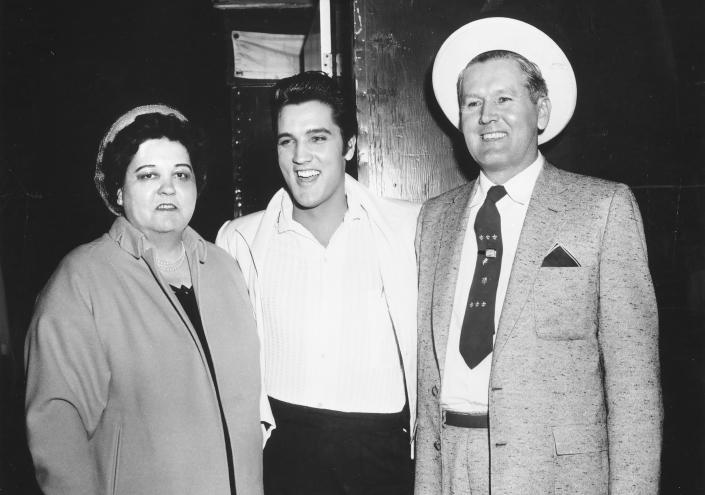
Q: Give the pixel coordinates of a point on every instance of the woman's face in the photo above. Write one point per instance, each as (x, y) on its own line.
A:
(158, 195)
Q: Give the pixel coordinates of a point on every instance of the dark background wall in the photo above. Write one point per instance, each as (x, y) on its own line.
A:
(68, 69)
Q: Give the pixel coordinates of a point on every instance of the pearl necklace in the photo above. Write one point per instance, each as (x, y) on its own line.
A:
(172, 266)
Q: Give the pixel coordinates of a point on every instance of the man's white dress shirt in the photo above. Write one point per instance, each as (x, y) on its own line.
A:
(328, 337)
(465, 389)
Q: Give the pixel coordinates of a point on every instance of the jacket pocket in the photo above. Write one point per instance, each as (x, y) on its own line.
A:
(581, 462)
(580, 439)
(565, 302)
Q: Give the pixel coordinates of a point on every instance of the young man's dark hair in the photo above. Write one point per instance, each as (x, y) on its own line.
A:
(316, 86)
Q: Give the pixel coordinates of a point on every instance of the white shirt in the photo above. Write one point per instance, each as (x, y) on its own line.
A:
(465, 389)
(328, 337)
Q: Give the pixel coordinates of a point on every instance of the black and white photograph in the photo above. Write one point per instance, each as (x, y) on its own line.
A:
(355, 247)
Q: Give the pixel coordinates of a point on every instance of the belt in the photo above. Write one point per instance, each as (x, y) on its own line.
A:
(286, 412)
(465, 420)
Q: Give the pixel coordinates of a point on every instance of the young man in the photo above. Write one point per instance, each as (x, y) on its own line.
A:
(332, 275)
(565, 396)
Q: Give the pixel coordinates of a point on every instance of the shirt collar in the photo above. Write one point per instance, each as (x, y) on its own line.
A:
(286, 220)
(519, 188)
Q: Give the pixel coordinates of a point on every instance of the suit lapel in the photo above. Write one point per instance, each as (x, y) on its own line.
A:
(446, 274)
(541, 226)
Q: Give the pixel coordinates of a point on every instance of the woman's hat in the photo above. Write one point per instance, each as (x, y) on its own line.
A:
(503, 33)
(123, 121)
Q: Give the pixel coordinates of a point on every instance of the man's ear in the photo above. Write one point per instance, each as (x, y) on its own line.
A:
(544, 108)
(119, 197)
(350, 151)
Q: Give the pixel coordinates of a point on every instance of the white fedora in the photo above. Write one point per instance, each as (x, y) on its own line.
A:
(503, 33)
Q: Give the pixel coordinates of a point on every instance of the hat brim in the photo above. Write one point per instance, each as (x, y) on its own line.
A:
(503, 33)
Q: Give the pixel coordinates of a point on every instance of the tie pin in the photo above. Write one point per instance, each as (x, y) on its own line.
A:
(490, 253)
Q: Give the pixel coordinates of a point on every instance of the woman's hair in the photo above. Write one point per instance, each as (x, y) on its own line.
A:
(119, 152)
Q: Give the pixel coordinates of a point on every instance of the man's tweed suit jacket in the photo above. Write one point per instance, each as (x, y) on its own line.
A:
(574, 393)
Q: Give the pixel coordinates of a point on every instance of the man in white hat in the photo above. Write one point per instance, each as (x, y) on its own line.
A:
(538, 329)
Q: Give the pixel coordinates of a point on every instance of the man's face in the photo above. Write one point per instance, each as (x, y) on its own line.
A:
(498, 119)
(312, 154)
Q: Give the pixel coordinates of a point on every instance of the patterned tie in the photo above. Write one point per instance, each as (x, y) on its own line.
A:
(476, 335)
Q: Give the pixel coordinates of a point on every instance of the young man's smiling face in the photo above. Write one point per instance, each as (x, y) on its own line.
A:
(312, 155)
(499, 121)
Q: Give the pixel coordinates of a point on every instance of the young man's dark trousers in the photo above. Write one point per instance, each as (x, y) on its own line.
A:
(318, 451)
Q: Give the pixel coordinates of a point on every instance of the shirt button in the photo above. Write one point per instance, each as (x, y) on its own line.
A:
(434, 391)
(437, 445)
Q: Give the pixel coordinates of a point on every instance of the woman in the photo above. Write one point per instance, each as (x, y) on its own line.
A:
(142, 356)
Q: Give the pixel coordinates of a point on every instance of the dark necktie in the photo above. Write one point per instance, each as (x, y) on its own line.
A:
(476, 335)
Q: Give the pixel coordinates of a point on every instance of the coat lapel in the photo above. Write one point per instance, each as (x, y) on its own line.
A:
(541, 226)
(446, 274)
